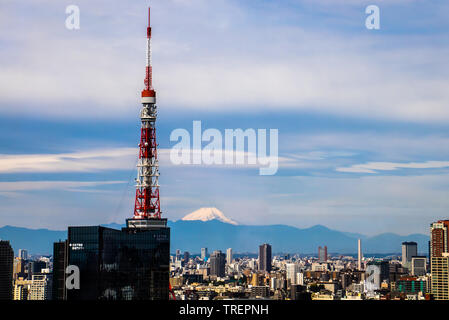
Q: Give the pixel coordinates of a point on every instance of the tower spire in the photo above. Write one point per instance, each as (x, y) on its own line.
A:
(147, 203)
(148, 69)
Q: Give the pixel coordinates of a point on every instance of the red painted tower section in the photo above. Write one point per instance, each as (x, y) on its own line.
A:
(147, 203)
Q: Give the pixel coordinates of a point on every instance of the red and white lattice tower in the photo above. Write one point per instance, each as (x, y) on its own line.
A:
(147, 204)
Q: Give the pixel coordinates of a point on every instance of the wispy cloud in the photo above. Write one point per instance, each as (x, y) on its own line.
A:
(98, 160)
(375, 167)
(82, 161)
(17, 186)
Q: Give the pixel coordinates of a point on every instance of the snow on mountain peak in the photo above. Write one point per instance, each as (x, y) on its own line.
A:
(206, 214)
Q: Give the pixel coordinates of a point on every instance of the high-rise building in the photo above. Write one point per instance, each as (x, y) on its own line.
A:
(265, 257)
(186, 257)
(359, 254)
(217, 264)
(29, 269)
(439, 259)
(419, 266)
(322, 253)
(397, 271)
(345, 280)
(23, 254)
(22, 288)
(439, 238)
(229, 256)
(178, 255)
(376, 273)
(440, 277)
(6, 270)
(203, 253)
(300, 278)
(60, 263)
(292, 270)
(19, 268)
(128, 264)
(252, 264)
(40, 287)
(409, 250)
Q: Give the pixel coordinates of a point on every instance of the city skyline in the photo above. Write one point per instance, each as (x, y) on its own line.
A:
(225, 276)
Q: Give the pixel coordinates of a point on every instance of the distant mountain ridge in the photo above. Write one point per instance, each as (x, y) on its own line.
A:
(36, 241)
(216, 235)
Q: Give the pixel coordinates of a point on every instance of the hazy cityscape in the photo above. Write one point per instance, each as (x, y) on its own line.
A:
(328, 157)
(226, 275)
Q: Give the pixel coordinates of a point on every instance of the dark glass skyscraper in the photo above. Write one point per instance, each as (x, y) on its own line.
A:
(6, 268)
(60, 256)
(217, 264)
(127, 264)
(409, 250)
(265, 257)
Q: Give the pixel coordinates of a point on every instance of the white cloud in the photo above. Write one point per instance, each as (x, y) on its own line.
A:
(97, 160)
(398, 147)
(82, 161)
(374, 167)
(202, 61)
(18, 186)
(314, 152)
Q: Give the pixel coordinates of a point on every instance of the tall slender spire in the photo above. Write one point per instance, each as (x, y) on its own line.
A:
(148, 68)
(147, 203)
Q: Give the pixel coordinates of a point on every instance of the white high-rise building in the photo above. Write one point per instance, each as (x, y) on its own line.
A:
(292, 270)
(23, 254)
(40, 287)
(440, 277)
(252, 264)
(359, 260)
(376, 273)
(300, 278)
(229, 256)
(316, 266)
(21, 289)
(203, 253)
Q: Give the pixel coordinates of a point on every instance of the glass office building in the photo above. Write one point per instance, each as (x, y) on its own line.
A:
(127, 264)
(60, 257)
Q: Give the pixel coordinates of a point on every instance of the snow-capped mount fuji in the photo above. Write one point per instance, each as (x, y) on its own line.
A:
(207, 214)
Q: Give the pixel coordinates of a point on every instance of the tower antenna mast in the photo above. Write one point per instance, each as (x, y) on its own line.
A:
(147, 202)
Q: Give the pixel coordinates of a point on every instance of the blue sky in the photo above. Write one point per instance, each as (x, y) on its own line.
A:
(362, 114)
